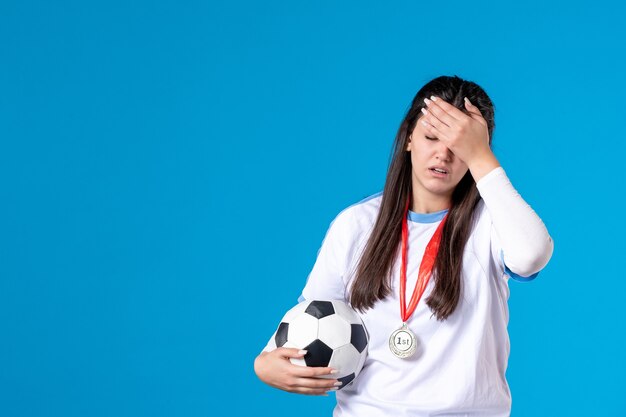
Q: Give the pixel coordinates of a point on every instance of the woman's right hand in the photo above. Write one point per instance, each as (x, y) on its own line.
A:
(275, 369)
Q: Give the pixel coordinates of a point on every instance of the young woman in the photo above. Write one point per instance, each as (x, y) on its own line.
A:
(448, 211)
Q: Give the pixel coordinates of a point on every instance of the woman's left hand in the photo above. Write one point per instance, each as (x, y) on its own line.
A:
(467, 136)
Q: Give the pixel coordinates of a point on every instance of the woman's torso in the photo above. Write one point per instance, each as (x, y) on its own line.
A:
(460, 363)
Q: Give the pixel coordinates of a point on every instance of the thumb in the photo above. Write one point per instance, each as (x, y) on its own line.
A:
(474, 111)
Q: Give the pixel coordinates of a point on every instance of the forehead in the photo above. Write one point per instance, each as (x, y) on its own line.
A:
(419, 129)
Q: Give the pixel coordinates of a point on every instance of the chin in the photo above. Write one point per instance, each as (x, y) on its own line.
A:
(441, 191)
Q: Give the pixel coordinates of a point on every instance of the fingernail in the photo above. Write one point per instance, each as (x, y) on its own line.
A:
(426, 101)
(302, 352)
(467, 99)
(433, 98)
(334, 371)
(424, 111)
(338, 383)
(333, 389)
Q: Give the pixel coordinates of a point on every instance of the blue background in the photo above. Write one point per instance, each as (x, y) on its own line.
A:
(168, 171)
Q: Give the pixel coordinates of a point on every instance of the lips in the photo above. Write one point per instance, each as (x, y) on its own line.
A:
(439, 170)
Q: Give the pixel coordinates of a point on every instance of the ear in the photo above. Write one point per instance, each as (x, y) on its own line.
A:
(408, 145)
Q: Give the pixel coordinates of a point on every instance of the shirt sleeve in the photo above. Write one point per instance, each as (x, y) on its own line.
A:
(326, 281)
(522, 243)
(271, 344)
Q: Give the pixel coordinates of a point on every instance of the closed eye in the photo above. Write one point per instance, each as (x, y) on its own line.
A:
(430, 138)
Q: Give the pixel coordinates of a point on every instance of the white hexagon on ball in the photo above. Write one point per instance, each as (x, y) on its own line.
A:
(346, 312)
(334, 331)
(345, 359)
(302, 330)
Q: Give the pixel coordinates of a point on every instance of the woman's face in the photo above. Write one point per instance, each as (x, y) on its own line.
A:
(428, 153)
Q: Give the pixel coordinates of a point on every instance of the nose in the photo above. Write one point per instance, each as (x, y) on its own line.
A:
(443, 153)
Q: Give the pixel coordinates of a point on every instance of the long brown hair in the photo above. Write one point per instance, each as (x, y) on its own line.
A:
(374, 269)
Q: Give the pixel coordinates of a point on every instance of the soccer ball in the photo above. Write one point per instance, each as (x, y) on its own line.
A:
(332, 334)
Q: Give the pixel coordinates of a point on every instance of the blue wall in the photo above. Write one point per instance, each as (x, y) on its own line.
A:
(168, 171)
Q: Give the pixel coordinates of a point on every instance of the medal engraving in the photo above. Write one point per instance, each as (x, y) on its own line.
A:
(402, 342)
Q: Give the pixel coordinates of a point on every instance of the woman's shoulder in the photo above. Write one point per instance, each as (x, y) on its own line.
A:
(481, 214)
(358, 217)
(482, 231)
(362, 213)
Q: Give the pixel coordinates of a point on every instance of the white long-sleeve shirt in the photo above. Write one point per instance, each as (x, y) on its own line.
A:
(460, 364)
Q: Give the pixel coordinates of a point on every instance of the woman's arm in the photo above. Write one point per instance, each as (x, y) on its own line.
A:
(526, 244)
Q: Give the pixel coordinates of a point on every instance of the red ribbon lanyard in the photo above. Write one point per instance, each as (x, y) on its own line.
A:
(426, 266)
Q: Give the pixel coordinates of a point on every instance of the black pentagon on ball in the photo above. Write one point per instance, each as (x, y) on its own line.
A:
(346, 380)
(281, 334)
(358, 338)
(320, 309)
(318, 354)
